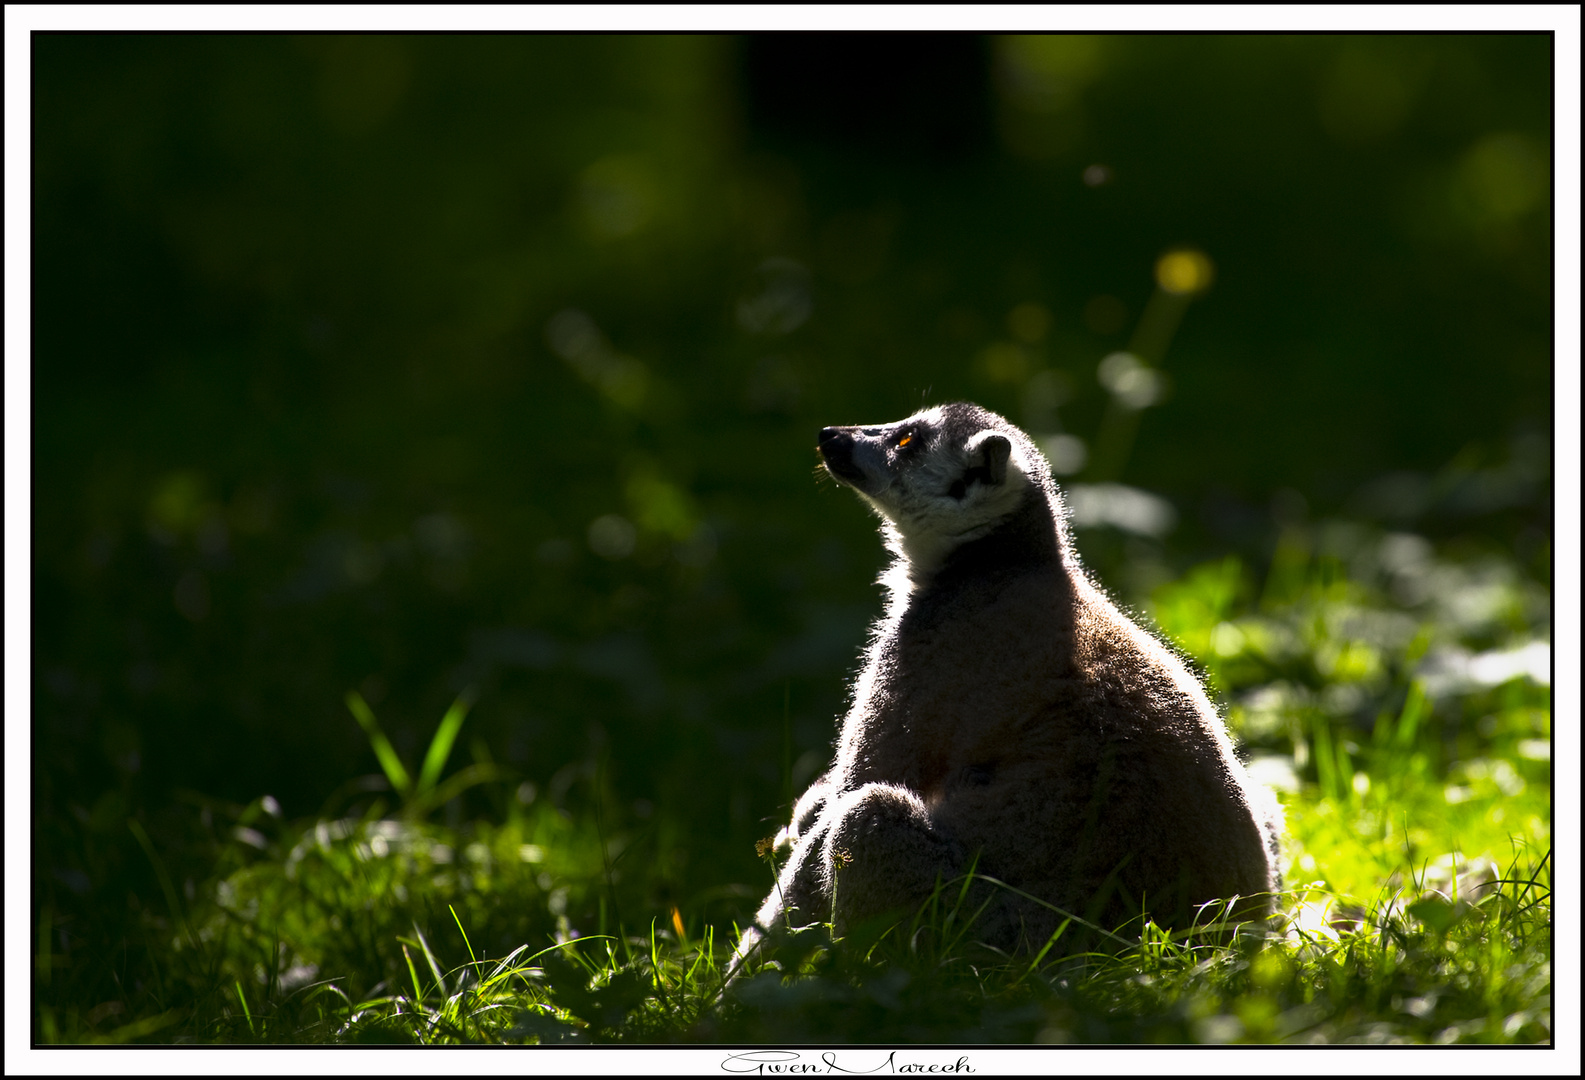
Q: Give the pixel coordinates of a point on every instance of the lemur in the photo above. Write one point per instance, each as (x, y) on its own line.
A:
(1009, 718)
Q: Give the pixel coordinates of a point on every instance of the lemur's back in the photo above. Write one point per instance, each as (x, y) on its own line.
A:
(1069, 748)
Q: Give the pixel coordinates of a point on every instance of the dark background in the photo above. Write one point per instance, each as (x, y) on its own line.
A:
(309, 413)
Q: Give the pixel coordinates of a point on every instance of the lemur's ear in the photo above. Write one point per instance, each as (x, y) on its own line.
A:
(989, 451)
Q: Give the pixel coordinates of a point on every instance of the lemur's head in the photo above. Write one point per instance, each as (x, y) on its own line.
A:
(940, 478)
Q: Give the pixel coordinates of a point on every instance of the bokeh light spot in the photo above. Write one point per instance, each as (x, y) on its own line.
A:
(1004, 362)
(1043, 72)
(1134, 383)
(1185, 272)
(659, 505)
(778, 300)
(612, 536)
(1066, 454)
(617, 196)
(1029, 322)
(1366, 97)
(363, 79)
(1501, 177)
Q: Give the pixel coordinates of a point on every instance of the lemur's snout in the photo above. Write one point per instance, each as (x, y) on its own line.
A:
(836, 446)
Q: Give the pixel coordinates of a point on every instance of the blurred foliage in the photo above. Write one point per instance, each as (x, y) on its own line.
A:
(414, 365)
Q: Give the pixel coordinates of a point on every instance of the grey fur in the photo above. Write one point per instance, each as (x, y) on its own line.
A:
(1008, 712)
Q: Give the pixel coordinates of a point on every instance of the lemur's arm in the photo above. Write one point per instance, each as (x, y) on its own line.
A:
(800, 882)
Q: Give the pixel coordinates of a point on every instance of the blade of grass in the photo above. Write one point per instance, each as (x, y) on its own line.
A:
(139, 1028)
(164, 878)
(418, 991)
(1052, 907)
(395, 772)
(454, 785)
(605, 852)
(655, 966)
(701, 953)
(1321, 753)
(504, 969)
(463, 932)
(440, 745)
(246, 1012)
(429, 957)
(1414, 708)
(1041, 955)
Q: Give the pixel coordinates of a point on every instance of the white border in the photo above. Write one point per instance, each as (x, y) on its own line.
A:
(678, 18)
(21, 20)
(1566, 584)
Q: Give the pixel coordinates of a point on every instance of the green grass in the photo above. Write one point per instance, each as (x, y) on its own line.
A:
(1363, 672)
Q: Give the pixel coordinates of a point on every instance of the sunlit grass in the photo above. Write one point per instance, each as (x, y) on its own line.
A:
(1417, 902)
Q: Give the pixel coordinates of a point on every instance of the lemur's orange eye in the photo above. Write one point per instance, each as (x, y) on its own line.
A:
(904, 441)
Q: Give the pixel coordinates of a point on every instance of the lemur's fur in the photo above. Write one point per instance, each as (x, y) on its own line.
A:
(1007, 712)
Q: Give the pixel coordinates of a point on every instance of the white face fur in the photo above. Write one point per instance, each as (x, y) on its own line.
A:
(935, 489)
